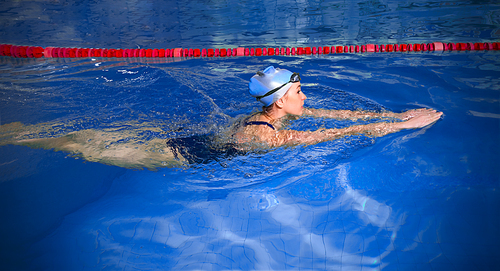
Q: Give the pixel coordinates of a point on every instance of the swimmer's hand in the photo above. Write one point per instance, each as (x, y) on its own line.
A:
(414, 113)
(419, 118)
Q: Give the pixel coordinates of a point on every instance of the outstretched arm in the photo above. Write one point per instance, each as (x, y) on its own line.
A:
(360, 114)
(419, 119)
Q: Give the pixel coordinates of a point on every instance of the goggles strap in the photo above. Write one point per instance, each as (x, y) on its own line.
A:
(294, 78)
(271, 91)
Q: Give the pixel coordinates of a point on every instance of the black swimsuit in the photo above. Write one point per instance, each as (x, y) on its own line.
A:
(259, 123)
(202, 149)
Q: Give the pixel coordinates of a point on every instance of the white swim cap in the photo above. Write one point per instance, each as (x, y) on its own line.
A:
(264, 83)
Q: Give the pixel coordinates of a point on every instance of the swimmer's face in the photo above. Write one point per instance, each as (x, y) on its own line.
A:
(294, 100)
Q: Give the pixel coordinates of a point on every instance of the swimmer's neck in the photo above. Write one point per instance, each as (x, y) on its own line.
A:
(272, 114)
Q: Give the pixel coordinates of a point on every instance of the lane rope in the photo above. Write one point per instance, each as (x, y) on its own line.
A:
(66, 52)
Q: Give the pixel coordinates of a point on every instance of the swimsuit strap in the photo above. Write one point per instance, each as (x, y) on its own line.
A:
(259, 123)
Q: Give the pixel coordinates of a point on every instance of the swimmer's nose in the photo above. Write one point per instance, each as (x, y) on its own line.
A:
(305, 97)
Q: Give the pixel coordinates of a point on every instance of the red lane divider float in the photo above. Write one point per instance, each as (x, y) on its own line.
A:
(62, 52)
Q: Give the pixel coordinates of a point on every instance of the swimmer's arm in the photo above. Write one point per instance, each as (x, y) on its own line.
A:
(346, 114)
(360, 114)
(289, 137)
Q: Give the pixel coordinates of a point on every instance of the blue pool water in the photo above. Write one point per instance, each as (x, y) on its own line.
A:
(423, 199)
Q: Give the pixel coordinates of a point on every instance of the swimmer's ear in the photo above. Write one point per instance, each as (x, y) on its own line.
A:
(280, 103)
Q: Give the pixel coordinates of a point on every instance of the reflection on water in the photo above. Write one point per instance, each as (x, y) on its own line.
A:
(370, 211)
(264, 230)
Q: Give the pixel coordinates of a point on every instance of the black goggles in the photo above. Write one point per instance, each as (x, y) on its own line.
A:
(293, 79)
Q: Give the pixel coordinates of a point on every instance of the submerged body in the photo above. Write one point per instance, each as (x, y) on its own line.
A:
(109, 146)
(283, 100)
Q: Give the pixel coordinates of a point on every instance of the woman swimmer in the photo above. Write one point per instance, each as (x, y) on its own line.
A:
(278, 89)
(280, 92)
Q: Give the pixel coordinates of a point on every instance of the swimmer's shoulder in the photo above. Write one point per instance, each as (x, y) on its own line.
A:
(253, 130)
